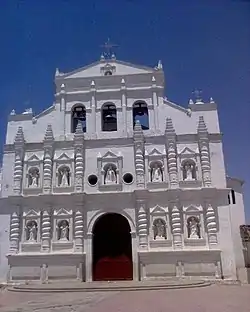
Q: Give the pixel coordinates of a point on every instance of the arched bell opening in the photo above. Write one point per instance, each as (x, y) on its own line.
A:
(78, 114)
(109, 117)
(140, 112)
(112, 248)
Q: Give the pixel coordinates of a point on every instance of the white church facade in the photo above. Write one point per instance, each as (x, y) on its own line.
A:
(114, 181)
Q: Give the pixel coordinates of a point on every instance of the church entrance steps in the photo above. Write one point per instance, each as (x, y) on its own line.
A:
(108, 286)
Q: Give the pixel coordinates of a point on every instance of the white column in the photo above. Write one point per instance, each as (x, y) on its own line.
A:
(142, 224)
(79, 230)
(93, 106)
(155, 105)
(46, 231)
(211, 225)
(124, 106)
(89, 258)
(14, 232)
(176, 227)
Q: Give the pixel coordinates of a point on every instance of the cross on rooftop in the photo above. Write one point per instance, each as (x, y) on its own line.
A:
(108, 47)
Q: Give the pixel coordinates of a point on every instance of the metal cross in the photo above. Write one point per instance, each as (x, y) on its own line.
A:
(108, 48)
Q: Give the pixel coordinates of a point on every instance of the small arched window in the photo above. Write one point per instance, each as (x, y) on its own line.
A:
(140, 112)
(189, 170)
(109, 119)
(78, 115)
(108, 73)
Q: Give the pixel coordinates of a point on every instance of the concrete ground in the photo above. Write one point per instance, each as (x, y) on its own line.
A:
(216, 298)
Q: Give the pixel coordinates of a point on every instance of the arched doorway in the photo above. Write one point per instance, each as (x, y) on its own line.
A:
(112, 249)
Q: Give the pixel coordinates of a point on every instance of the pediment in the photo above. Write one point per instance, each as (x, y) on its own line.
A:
(95, 69)
(64, 156)
(109, 154)
(187, 151)
(154, 152)
(62, 212)
(33, 157)
(192, 208)
(31, 213)
(158, 210)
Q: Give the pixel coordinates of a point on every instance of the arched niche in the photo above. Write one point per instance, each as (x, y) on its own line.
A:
(78, 114)
(140, 112)
(109, 117)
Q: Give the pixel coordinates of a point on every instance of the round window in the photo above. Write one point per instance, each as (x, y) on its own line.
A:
(92, 179)
(128, 178)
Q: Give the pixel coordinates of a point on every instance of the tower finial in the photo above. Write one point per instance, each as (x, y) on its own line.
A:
(197, 95)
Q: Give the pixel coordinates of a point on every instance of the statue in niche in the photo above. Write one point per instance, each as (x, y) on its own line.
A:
(63, 230)
(110, 177)
(159, 229)
(193, 228)
(31, 231)
(33, 178)
(156, 173)
(189, 173)
(64, 179)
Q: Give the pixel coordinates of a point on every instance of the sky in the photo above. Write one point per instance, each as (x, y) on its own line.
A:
(202, 44)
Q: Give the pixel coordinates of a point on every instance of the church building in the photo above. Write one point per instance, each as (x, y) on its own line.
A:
(116, 182)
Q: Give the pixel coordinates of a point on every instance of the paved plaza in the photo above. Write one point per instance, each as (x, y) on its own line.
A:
(216, 298)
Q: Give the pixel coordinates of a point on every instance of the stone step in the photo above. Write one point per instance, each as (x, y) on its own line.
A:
(108, 286)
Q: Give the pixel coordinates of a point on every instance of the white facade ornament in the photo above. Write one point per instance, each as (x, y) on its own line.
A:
(14, 232)
(64, 177)
(142, 224)
(46, 230)
(27, 111)
(139, 155)
(159, 66)
(211, 225)
(211, 100)
(13, 112)
(203, 141)
(18, 165)
(191, 102)
(176, 227)
(79, 230)
(79, 157)
(189, 172)
(171, 153)
(47, 163)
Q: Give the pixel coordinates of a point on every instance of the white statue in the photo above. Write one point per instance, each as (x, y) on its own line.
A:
(156, 175)
(159, 229)
(64, 230)
(31, 231)
(64, 177)
(33, 178)
(189, 169)
(193, 228)
(110, 177)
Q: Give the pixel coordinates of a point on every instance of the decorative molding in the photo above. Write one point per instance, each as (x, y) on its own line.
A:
(139, 151)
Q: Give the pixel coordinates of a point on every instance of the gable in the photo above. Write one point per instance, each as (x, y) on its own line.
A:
(64, 155)
(158, 210)
(97, 69)
(186, 151)
(33, 157)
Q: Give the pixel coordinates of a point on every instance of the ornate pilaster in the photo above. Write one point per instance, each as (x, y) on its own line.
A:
(79, 160)
(203, 142)
(176, 227)
(79, 230)
(124, 105)
(171, 153)
(142, 224)
(139, 155)
(48, 155)
(14, 232)
(18, 166)
(46, 230)
(211, 225)
(93, 106)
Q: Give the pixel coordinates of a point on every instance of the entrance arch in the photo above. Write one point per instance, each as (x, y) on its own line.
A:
(112, 248)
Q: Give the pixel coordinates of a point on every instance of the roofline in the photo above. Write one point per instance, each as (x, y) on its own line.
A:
(236, 179)
(65, 75)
